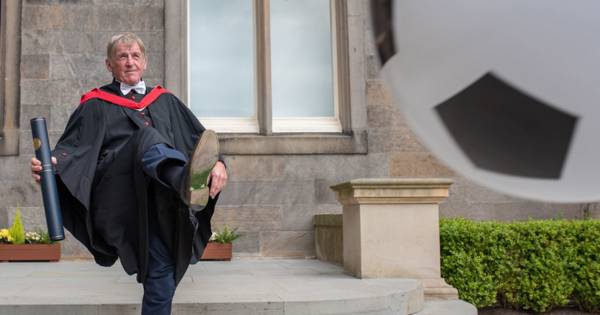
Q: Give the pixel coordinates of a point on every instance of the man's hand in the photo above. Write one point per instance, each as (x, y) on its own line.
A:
(218, 179)
(36, 168)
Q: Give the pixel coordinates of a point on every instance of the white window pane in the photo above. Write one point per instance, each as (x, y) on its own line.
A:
(221, 58)
(301, 59)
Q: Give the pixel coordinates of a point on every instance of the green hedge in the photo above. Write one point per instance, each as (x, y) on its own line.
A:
(533, 265)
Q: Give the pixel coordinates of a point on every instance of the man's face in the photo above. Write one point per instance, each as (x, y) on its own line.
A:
(127, 63)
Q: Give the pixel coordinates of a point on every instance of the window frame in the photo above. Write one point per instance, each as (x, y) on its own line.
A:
(349, 88)
(10, 51)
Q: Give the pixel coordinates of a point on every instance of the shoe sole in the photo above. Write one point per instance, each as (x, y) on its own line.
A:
(203, 160)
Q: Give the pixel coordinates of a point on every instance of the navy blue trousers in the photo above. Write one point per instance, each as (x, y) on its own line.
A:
(164, 165)
(159, 286)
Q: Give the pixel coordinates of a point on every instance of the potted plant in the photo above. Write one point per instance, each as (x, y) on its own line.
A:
(219, 246)
(18, 245)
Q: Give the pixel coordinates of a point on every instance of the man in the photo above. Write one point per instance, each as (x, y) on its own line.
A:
(133, 169)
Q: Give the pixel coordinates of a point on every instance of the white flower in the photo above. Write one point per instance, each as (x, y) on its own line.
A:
(33, 236)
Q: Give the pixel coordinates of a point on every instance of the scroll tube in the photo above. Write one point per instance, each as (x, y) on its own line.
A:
(41, 146)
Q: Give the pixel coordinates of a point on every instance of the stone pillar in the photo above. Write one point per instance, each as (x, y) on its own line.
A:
(391, 229)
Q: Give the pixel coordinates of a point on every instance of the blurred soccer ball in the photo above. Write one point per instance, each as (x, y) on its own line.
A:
(505, 92)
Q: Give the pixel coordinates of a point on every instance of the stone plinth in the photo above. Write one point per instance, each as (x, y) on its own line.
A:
(328, 237)
(391, 229)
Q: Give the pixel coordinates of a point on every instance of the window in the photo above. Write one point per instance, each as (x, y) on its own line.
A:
(266, 66)
(250, 117)
(10, 25)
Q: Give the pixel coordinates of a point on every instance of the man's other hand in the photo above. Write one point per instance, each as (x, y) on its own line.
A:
(218, 179)
(36, 168)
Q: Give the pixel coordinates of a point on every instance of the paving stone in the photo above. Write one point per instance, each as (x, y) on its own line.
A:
(259, 308)
(35, 66)
(50, 310)
(236, 287)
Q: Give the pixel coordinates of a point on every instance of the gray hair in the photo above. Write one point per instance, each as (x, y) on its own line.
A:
(124, 38)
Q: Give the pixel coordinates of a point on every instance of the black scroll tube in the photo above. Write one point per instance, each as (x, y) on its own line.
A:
(41, 146)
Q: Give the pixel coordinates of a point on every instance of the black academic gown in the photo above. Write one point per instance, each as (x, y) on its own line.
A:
(107, 202)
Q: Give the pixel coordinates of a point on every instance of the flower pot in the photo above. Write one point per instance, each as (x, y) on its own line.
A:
(30, 252)
(217, 251)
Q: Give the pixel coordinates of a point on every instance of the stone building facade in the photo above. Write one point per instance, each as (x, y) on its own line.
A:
(277, 181)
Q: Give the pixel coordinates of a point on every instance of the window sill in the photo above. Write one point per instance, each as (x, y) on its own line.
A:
(293, 144)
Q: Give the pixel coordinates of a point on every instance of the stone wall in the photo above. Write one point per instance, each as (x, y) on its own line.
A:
(271, 199)
(63, 48)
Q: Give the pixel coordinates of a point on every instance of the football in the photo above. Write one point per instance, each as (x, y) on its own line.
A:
(504, 92)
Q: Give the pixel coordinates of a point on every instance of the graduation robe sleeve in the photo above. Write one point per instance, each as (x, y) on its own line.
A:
(78, 149)
(77, 154)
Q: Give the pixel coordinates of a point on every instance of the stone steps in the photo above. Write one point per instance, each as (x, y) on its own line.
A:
(238, 287)
(454, 307)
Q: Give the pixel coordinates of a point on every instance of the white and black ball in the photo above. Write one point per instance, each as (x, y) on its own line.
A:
(505, 92)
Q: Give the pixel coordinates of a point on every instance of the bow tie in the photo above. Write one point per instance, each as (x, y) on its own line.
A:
(139, 88)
